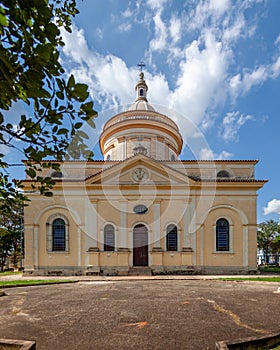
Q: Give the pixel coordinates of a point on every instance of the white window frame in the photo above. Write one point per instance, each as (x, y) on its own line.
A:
(230, 251)
(49, 225)
(103, 236)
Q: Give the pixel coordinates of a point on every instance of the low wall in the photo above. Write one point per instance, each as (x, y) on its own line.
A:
(250, 343)
(11, 344)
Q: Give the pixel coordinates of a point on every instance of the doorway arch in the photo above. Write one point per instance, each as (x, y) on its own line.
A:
(140, 245)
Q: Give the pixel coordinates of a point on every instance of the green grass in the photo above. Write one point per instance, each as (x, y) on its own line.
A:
(32, 282)
(274, 269)
(7, 273)
(258, 279)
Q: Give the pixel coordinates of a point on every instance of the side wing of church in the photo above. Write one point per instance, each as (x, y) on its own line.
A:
(141, 210)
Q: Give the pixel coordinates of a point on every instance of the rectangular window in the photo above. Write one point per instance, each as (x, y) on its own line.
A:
(109, 242)
(222, 239)
(58, 235)
(171, 241)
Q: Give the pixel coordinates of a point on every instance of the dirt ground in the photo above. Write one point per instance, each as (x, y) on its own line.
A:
(139, 314)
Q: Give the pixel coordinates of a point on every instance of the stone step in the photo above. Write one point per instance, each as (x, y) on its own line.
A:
(140, 270)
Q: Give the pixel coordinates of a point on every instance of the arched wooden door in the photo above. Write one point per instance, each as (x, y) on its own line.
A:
(140, 245)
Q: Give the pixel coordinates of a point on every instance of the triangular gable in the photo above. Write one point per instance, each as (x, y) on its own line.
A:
(140, 169)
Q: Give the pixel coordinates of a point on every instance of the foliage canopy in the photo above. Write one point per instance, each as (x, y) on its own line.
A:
(31, 73)
(269, 238)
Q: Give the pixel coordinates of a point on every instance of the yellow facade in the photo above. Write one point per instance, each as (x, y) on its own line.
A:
(143, 208)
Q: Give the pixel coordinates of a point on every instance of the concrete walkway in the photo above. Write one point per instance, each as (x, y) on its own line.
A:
(139, 312)
(129, 278)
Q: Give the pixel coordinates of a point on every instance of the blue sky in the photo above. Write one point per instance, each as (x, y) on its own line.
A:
(215, 63)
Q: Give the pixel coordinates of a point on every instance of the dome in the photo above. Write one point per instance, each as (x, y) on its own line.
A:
(141, 105)
(140, 130)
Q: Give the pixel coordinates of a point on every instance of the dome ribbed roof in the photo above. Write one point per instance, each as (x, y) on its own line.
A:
(141, 105)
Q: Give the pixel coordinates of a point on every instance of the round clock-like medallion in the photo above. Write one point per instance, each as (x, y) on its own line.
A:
(140, 175)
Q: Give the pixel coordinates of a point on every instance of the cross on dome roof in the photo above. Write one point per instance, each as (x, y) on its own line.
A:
(141, 88)
(141, 65)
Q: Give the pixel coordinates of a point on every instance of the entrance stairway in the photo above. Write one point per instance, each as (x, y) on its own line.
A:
(140, 270)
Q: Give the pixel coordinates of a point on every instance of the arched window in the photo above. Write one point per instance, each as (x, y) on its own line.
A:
(171, 238)
(141, 92)
(172, 157)
(223, 173)
(222, 235)
(109, 238)
(58, 235)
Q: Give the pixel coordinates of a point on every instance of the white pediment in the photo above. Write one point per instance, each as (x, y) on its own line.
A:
(140, 170)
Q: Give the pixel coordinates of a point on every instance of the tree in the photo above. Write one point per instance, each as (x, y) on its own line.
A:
(275, 248)
(31, 73)
(11, 235)
(268, 235)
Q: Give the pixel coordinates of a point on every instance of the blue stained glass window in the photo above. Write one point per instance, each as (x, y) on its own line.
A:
(59, 236)
(222, 235)
(171, 238)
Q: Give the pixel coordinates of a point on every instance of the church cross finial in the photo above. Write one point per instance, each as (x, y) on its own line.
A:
(141, 65)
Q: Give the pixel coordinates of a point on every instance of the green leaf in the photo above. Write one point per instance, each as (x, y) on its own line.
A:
(82, 134)
(31, 172)
(3, 21)
(78, 125)
(48, 194)
(62, 131)
(71, 82)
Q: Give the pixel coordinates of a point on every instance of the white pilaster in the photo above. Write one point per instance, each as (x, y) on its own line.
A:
(91, 227)
(193, 226)
(245, 246)
(202, 245)
(36, 247)
(79, 246)
(122, 241)
(156, 224)
(187, 224)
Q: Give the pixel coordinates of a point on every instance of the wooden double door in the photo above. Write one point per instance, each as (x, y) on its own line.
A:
(140, 246)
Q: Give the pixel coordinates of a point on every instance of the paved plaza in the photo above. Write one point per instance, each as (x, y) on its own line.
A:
(139, 313)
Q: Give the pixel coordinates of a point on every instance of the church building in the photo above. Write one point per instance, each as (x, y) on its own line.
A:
(142, 210)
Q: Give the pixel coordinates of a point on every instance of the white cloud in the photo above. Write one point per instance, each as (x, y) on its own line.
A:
(275, 69)
(200, 82)
(277, 41)
(159, 41)
(107, 76)
(240, 84)
(231, 124)
(224, 155)
(75, 45)
(156, 4)
(219, 6)
(208, 154)
(99, 33)
(256, 77)
(272, 207)
(233, 32)
(201, 66)
(175, 28)
(125, 27)
(127, 13)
